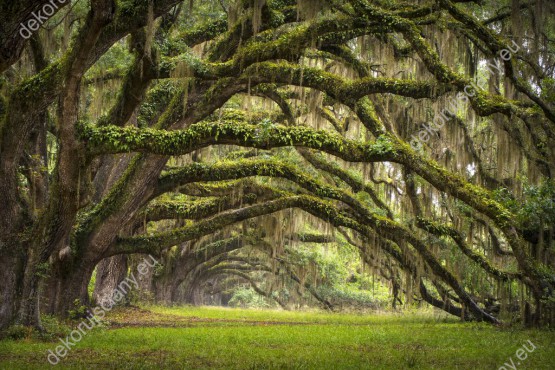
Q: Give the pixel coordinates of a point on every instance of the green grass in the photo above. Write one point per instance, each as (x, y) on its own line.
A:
(207, 338)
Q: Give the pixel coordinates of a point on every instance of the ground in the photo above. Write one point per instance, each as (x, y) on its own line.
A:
(212, 338)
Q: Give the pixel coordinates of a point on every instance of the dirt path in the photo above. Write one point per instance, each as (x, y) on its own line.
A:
(138, 317)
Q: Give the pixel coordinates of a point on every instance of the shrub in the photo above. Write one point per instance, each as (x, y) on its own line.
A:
(17, 332)
(79, 311)
(53, 328)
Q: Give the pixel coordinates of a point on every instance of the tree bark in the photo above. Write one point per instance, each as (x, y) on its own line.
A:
(10, 276)
(109, 273)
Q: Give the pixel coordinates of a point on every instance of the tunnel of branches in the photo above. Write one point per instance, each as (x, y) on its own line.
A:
(260, 144)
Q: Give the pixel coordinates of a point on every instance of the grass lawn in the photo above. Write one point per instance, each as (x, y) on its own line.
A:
(208, 338)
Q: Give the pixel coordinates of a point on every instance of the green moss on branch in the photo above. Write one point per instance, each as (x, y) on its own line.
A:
(111, 139)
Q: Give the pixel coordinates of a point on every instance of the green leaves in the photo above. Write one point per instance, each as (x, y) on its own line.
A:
(383, 145)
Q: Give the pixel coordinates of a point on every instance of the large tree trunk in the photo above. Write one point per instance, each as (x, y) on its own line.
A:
(175, 292)
(191, 284)
(163, 289)
(10, 278)
(69, 287)
(145, 280)
(29, 311)
(109, 273)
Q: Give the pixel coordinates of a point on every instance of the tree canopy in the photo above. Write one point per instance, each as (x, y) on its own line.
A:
(229, 138)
